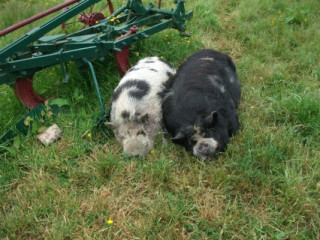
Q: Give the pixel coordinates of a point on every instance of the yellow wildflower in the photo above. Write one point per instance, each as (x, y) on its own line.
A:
(49, 114)
(46, 104)
(89, 135)
(27, 121)
(109, 221)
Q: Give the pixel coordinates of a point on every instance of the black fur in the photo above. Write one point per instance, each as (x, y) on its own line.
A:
(140, 88)
(202, 99)
(166, 62)
(136, 69)
(166, 86)
(149, 61)
(152, 69)
(133, 69)
(169, 74)
(162, 60)
(125, 114)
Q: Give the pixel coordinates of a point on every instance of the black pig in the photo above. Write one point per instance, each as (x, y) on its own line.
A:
(201, 101)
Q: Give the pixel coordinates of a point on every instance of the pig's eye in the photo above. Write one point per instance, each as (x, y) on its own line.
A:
(193, 140)
(141, 133)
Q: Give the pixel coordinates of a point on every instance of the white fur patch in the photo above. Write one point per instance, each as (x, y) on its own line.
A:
(213, 80)
(207, 59)
(151, 103)
(210, 141)
(231, 76)
(154, 73)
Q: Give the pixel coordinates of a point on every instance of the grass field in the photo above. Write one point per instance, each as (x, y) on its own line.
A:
(265, 186)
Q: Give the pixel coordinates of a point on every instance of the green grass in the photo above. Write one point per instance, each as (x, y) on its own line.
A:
(265, 186)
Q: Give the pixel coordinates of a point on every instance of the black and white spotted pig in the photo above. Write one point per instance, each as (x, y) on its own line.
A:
(136, 114)
(200, 106)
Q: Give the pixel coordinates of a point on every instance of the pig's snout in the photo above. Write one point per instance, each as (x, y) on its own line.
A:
(134, 147)
(204, 148)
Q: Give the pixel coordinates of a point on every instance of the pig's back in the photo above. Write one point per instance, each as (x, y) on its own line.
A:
(140, 89)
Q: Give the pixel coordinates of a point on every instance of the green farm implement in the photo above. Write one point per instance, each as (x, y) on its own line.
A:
(99, 36)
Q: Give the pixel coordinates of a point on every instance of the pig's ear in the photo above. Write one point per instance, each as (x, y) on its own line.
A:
(110, 125)
(212, 118)
(178, 137)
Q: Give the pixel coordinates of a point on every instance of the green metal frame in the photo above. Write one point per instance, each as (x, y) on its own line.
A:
(35, 51)
(24, 57)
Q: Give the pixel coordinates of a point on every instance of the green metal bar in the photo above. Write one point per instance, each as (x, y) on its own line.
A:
(161, 11)
(52, 59)
(137, 6)
(92, 49)
(141, 35)
(117, 12)
(38, 32)
(79, 50)
(93, 74)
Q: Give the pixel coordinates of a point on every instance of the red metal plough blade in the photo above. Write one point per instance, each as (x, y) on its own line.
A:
(122, 57)
(26, 93)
